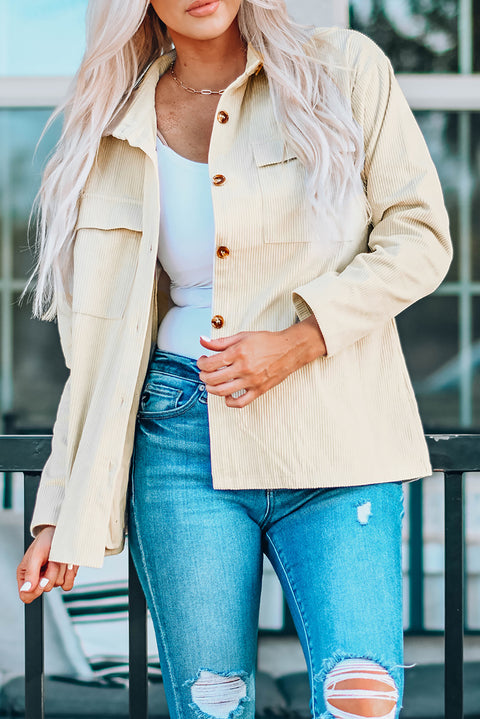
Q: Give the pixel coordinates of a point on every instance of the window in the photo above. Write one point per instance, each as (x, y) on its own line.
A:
(34, 73)
(433, 47)
(22, 369)
(440, 333)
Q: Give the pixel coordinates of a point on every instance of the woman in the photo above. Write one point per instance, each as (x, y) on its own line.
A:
(299, 212)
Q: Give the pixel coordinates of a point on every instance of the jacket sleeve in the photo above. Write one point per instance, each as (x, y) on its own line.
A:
(51, 490)
(409, 246)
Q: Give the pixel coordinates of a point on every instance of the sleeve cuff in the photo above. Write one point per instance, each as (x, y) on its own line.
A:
(318, 298)
(47, 507)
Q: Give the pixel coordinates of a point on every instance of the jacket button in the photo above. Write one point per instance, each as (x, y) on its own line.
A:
(222, 117)
(217, 322)
(222, 252)
(219, 179)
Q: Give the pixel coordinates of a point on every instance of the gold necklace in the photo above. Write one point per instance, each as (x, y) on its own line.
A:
(192, 89)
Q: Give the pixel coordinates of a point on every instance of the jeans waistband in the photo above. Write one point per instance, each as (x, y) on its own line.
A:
(171, 363)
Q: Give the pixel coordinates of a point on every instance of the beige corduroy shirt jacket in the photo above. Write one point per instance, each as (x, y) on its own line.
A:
(348, 418)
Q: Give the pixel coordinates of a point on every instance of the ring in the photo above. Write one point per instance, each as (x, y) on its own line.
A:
(238, 393)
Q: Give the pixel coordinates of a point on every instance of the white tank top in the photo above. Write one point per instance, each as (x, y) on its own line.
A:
(185, 250)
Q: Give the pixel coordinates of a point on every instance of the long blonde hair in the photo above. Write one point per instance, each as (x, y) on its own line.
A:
(123, 38)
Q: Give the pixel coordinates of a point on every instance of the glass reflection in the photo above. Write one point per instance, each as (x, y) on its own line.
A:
(417, 35)
(39, 374)
(441, 132)
(20, 176)
(476, 363)
(429, 334)
(32, 381)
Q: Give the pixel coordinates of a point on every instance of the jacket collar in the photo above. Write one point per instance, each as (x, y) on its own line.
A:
(137, 122)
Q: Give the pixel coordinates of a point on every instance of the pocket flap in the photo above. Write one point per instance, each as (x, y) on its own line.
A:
(271, 152)
(108, 213)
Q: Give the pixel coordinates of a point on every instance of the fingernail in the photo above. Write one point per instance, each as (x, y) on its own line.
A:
(70, 566)
(44, 582)
(205, 339)
(26, 587)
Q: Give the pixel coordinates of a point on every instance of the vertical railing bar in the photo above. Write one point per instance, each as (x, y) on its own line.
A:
(454, 594)
(137, 633)
(7, 490)
(34, 665)
(415, 547)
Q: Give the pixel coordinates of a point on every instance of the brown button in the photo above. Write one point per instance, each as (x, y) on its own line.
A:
(222, 117)
(217, 321)
(219, 179)
(222, 252)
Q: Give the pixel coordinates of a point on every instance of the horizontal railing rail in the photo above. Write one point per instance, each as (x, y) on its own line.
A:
(452, 454)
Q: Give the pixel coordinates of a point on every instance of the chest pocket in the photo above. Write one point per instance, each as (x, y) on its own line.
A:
(286, 213)
(105, 255)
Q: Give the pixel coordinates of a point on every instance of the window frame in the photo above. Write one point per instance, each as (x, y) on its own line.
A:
(443, 92)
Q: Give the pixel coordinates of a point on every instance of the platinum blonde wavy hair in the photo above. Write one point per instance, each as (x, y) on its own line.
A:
(123, 38)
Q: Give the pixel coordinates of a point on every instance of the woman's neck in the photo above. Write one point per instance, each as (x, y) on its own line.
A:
(213, 63)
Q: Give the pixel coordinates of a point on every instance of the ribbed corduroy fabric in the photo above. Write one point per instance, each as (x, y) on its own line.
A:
(348, 418)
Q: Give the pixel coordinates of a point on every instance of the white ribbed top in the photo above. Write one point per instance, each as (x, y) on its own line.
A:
(185, 250)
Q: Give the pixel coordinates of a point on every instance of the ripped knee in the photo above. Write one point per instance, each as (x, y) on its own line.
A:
(360, 688)
(218, 695)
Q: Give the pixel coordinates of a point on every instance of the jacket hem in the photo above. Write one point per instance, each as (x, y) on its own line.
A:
(314, 482)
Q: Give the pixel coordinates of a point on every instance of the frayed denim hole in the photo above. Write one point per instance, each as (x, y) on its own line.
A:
(209, 690)
(331, 662)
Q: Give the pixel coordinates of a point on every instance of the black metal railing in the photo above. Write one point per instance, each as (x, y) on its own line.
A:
(452, 454)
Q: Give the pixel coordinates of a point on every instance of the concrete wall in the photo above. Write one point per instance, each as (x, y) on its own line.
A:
(319, 12)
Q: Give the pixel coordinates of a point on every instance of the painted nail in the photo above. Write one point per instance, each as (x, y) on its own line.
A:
(26, 587)
(44, 582)
(70, 566)
(205, 339)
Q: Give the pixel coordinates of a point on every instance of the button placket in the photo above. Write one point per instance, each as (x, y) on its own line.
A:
(219, 179)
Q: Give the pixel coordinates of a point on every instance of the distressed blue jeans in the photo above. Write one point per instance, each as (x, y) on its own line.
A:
(199, 555)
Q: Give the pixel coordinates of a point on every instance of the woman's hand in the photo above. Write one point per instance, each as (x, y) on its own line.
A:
(35, 574)
(257, 361)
